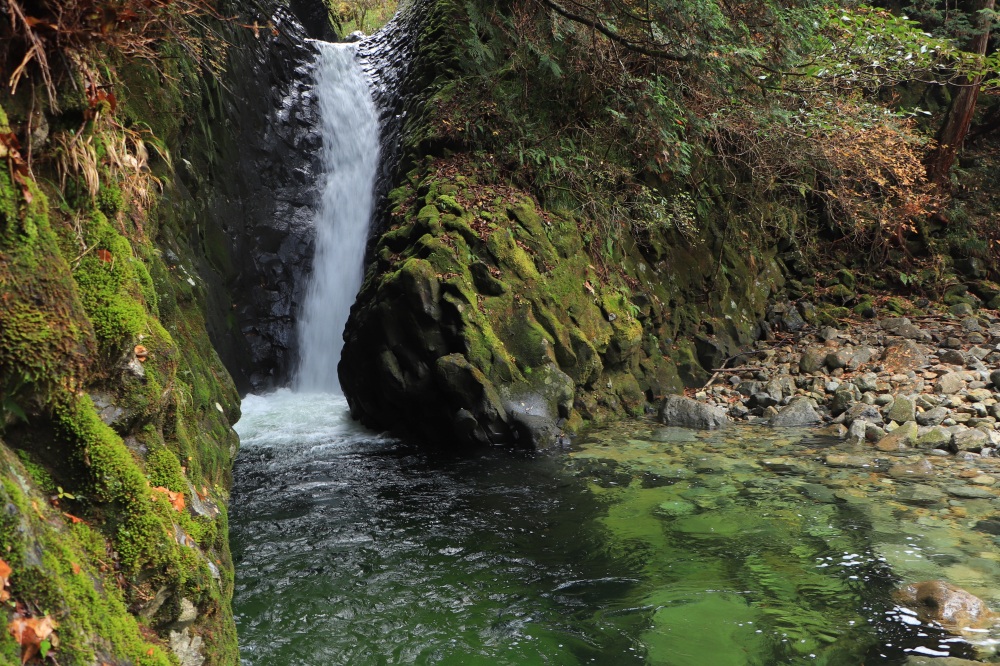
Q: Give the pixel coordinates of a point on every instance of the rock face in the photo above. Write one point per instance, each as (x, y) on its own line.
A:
(256, 172)
(687, 413)
(940, 602)
(463, 263)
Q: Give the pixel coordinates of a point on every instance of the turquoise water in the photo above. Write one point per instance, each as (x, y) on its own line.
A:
(642, 545)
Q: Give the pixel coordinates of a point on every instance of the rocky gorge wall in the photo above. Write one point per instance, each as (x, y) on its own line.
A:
(488, 318)
(145, 255)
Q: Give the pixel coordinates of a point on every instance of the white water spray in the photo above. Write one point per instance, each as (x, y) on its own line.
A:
(349, 126)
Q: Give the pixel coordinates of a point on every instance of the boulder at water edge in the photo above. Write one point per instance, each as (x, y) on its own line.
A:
(798, 412)
(686, 413)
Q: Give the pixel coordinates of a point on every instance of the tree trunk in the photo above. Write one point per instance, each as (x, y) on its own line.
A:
(956, 125)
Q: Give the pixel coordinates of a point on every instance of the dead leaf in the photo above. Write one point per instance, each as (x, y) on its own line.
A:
(141, 353)
(176, 499)
(73, 518)
(5, 572)
(29, 632)
(105, 256)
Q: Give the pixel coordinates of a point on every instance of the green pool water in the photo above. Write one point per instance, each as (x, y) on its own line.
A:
(641, 544)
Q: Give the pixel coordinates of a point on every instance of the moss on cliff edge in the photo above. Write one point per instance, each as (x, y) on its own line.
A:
(117, 406)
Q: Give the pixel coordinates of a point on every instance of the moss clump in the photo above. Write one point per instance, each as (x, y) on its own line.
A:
(110, 286)
(61, 568)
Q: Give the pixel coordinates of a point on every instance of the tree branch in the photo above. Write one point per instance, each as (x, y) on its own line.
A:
(615, 37)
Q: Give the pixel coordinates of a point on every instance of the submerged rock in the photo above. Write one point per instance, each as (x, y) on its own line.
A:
(951, 607)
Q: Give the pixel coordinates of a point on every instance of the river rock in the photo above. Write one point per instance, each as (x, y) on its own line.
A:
(903, 356)
(812, 360)
(914, 660)
(934, 437)
(903, 409)
(919, 494)
(940, 602)
(845, 460)
(995, 378)
(932, 417)
(899, 439)
(857, 432)
(863, 412)
(972, 439)
(969, 492)
(686, 413)
(951, 356)
(950, 383)
(911, 470)
(799, 412)
(990, 526)
(978, 395)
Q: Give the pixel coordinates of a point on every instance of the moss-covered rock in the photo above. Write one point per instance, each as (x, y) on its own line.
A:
(115, 411)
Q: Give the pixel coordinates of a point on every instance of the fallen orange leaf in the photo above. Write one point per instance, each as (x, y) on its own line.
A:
(73, 518)
(105, 256)
(29, 632)
(5, 572)
(176, 499)
(76, 567)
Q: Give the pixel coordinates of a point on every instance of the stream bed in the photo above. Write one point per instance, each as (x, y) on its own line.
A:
(641, 544)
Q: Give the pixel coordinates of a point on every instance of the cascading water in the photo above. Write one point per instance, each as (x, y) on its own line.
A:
(349, 125)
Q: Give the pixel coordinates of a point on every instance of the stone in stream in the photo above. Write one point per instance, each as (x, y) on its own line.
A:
(912, 470)
(848, 461)
(899, 439)
(970, 440)
(936, 437)
(856, 434)
(686, 413)
(799, 412)
(989, 526)
(919, 494)
(969, 492)
(940, 602)
(863, 412)
(914, 660)
(903, 409)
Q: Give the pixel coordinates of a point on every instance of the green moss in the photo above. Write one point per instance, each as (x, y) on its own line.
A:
(164, 469)
(110, 199)
(110, 287)
(59, 568)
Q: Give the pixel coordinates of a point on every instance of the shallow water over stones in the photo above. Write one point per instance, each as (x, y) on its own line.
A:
(642, 544)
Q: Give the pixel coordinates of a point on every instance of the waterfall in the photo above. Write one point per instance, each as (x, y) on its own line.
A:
(349, 126)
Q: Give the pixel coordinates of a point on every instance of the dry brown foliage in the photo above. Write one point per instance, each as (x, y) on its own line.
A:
(51, 36)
